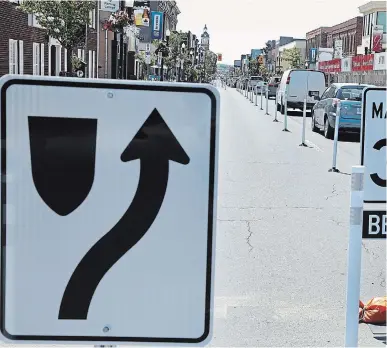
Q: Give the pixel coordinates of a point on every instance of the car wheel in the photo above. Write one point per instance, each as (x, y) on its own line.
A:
(282, 108)
(313, 123)
(328, 130)
(278, 107)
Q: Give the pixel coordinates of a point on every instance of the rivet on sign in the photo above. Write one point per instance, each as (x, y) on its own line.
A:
(110, 95)
(106, 329)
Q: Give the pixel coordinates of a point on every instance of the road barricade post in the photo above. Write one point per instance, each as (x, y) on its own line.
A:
(303, 141)
(261, 97)
(267, 101)
(276, 107)
(354, 257)
(256, 95)
(336, 139)
(286, 113)
(252, 95)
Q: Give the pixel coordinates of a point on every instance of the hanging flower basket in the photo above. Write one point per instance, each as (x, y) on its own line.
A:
(118, 21)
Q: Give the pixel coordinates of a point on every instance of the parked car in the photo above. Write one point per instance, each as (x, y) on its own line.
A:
(300, 84)
(324, 112)
(273, 85)
(258, 82)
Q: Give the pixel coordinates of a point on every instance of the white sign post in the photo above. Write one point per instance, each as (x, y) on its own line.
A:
(108, 219)
(368, 200)
(336, 139)
(373, 158)
(303, 141)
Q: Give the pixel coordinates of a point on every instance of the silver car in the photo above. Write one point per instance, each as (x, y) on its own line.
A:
(273, 86)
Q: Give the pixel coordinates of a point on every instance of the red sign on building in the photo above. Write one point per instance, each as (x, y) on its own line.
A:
(363, 63)
(330, 66)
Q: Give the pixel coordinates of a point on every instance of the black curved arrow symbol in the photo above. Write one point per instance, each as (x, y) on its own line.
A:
(154, 145)
(375, 177)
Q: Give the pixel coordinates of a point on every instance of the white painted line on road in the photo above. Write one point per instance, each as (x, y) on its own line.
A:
(309, 143)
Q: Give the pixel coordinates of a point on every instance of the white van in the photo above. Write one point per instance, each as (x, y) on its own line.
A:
(299, 84)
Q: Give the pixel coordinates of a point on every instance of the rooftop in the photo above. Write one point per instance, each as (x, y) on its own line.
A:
(372, 6)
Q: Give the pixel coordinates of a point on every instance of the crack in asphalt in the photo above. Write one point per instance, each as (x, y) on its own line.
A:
(249, 236)
(334, 193)
(338, 223)
(270, 208)
(383, 279)
(370, 252)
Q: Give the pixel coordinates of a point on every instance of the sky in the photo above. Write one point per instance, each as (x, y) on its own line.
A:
(235, 27)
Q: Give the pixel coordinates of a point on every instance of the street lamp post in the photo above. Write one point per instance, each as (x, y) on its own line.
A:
(164, 50)
(181, 61)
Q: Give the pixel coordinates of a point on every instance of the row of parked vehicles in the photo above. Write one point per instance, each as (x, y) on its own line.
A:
(297, 85)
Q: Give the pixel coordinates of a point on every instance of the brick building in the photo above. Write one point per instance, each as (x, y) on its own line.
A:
(316, 38)
(25, 47)
(347, 35)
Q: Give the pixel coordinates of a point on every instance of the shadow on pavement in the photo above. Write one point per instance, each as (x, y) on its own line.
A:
(349, 138)
(298, 113)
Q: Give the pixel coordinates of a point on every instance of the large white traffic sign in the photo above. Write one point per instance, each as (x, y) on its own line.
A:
(374, 145)
(108, 200)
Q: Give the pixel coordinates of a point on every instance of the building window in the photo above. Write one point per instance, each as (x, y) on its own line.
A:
(90, 65)
(16, 57)
(33, 22)
(94, 63)
(36, 58)
(42, 59)
(381, 20)
(92, 19)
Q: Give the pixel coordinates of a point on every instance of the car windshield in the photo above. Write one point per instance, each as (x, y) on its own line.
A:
(256, 78)
(351, 93)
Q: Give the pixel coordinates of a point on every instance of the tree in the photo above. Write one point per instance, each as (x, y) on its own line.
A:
(253, 67)
(64, 20)
(293, 57)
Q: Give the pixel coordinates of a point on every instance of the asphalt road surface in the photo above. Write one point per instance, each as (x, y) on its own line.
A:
(282, 236)
(283, 224)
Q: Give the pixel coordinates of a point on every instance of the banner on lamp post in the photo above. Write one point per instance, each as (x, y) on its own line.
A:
(157, 22)
(141, 10)
(377, 38)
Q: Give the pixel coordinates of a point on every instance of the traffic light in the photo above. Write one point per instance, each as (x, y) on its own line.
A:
(220, 57)
(260, 60)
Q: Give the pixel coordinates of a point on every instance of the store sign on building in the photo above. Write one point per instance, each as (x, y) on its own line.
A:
(380, 61)
(338, 53)
(110, 5)
(363, 63)
(330, 66)
(346, 64)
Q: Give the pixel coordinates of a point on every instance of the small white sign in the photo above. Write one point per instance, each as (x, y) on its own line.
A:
(110, 5)
(374, 144)
(108, 224)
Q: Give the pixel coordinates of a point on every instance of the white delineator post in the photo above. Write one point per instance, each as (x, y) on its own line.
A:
(336, 139)
(261, 97)
(267, 101)
(256, 95)
(275, 110)
(286, 111)
(354, 257)
(303, 143)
